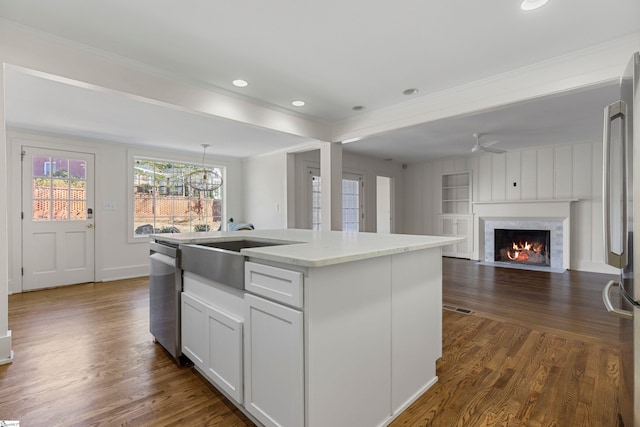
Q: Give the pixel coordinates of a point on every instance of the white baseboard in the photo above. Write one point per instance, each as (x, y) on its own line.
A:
(596, 267)
(105, 275)
(120, 273)
(6, 354)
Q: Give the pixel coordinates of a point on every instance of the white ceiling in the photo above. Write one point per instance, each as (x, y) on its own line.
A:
(47, 105)
(574, 117)
(333, 54)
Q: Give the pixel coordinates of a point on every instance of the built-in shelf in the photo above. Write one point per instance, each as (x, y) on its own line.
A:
(456, 219)
(456, 193)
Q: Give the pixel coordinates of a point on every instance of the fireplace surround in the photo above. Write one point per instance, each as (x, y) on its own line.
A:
(552, 215)
(553, 226)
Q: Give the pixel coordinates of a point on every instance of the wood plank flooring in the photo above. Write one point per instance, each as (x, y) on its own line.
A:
(537, 351)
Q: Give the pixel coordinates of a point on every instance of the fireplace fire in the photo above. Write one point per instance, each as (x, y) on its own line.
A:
(523, 246)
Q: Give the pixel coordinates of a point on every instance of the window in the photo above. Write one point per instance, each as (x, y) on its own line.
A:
(163, 202)
(315, 208)
(351, 203)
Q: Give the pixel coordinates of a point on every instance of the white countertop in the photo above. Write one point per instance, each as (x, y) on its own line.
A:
(316, 248)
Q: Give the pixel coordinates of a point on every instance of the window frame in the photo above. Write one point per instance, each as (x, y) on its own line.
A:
(133, 155)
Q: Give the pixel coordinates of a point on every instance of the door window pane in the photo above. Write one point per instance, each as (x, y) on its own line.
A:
(60, 167)
(350, 204)
(59, 189)
(315, 208)
(41, 166)
(41, 210)
(78, 169)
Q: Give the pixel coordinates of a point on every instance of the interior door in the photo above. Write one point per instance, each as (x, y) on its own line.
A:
(57, 218)
(383, 204)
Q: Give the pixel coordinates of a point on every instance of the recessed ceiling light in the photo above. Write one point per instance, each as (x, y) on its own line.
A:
(411, 91)
(297, 103)
(358, 108)
(532, 4)
(240, 83)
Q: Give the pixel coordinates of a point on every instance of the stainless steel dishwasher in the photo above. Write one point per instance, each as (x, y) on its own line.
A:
(165, 286)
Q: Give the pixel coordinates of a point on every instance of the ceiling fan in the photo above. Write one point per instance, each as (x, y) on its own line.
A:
(485, 146)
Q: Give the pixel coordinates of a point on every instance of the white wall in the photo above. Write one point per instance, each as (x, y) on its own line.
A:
(369, 168)
(117, 254)
(561, 172)
(6, 354)
(265, 191)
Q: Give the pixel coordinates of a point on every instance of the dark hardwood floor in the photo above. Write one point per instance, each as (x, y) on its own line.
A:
(538, 350)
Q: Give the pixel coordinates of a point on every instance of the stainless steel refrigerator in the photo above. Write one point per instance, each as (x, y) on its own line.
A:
(621, 153)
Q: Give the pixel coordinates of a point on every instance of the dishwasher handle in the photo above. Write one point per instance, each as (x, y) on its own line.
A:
(164, 259)
(606, 299)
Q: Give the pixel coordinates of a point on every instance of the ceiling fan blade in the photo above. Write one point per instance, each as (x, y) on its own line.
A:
(484, 146)
(489, 143)
(493, 150)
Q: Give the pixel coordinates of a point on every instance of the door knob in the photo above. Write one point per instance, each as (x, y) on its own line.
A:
(89, 225)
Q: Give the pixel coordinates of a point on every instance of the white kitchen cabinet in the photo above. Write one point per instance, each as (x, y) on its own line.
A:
(455, 225)
(194, 330)
(343, 331)
(273, 363)
(278, 284)
(224, 365)
(212, 339)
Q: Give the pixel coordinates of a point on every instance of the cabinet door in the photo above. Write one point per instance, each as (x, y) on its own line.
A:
(194, 332)
(464, 227)
(224, 364)
(273, 363)
(448, 228)
(458, 226)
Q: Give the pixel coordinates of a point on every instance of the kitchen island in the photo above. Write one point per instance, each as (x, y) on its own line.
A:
(330, 328)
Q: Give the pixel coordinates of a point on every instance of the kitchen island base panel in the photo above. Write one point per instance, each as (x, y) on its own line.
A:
(416, 323)
(373, 333)
(348, 343)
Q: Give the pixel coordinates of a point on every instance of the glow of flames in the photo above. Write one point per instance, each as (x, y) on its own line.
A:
(520, 251)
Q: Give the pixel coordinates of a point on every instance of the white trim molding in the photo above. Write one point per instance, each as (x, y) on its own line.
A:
(6, 354)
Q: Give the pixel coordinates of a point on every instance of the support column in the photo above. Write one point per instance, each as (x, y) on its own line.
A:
(331, 186)
(6, 354)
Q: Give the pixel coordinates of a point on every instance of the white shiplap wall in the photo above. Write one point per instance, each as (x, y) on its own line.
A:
(559, 172)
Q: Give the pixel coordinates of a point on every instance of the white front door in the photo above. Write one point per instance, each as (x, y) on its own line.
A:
(57, 218)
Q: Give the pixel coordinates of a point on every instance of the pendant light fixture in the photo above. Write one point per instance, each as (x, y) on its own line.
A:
(204, 180)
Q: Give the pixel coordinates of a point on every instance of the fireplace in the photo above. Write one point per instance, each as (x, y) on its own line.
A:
(553, 215)
(522, 246)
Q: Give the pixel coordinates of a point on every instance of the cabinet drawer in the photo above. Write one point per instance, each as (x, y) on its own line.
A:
(274, 283)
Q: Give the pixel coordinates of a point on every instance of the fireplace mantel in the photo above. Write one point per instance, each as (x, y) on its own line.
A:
(510, 202)
(521, 210)
(524, 208)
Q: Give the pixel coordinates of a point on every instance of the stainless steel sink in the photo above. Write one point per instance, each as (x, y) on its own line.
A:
(221, 262)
